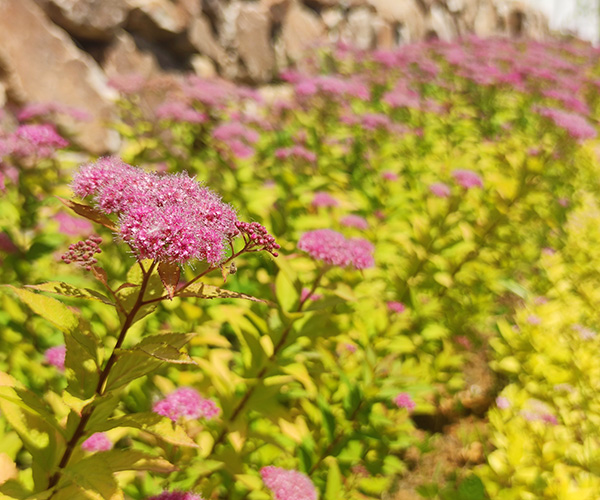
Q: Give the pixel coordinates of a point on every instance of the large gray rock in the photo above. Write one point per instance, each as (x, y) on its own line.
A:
(42, 64)
(88, 19)
(253, 41)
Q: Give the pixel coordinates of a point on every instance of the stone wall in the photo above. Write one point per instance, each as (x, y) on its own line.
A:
(65, 50)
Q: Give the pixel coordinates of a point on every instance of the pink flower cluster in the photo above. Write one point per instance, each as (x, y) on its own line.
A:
(186, 403)
(178, 111)
(575, 125)
(45, 109)
(334, 249)
(403, 400)
(55, 356)
(440, 189)
(396, 307)
(288, 484)
(355, 221)
(297, 152)
(323, 199)
(176, 495)
(467, 178)
(168, 218)
(82, 253)
(238, 137)
(40, 141)
(97, 442)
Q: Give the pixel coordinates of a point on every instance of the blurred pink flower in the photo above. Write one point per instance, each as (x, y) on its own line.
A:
(403, 400)
(186, 402)
(396, 307)
(55, 356)
(440, 189)
(288, 484)
(73, 226)
(333, 248)
(97, 442)
(467, 178)
(355, 221)
(176, 495)
(323, 199)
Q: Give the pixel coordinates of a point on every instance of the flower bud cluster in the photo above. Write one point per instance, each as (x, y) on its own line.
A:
(82, 253)
(257, 237)
(176, 495)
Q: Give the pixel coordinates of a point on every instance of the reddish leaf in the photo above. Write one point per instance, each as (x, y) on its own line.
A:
(169, 275)
(89, 213)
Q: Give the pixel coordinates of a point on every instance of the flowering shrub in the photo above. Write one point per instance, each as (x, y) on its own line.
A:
(414, 200)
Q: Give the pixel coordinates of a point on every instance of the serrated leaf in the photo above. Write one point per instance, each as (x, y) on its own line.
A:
(120, 460)
(130, 364)
(154, 424)
(93, 475)
(177, 340)
(48, 308)
(90, 213)
(167, 353)
(67, 290)
(205, 291)
(81, 363)
(169, 273)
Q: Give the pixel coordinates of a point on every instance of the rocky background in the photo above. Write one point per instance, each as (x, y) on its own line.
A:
(66, 51)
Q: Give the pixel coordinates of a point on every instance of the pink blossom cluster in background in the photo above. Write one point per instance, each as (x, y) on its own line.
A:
(33, 140)
(296, 152)
(403, 400)
(467, 178)
(575, 125)
(47, 109)
(288, 484)
(55, 356)
(440, 189)
(396, 307)
(355, 221)
(186, 403)
(97, 442)
(163, 217)
(334, 249)
(323, 199)
(178, 111)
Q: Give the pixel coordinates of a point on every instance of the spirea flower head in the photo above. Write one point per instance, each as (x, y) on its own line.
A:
(323, 199)
(97, 442)
(334, 249)
(178, 111)
(396, 307)
(440, 189)
(36, 140)
(55, 356)
(575, 125)
(187, 403)
(176, 495)
(170, 218)
(467, 178)
(403, 400)
(355, 221)
(288, 484)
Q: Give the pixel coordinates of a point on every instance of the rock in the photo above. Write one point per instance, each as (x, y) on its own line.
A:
(43, 64)
(253, 42)
(441, 23)
(277, 8)
(486, 20)
(95, 20)
(156, 19)
(359, 28)
(301, 29)
(405, 15)
(385, 35)
(203, 66)
(123, 57)
(201, 36)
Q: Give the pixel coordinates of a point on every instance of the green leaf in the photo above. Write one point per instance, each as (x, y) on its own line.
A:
(471, 488)
(120, 460)
(93, 475)
(287, 293)
(154, 424)
(334, 487)
(81, 363)
(48, 308)
(130, 364)
(90, 213)
(374, 485)
(204, 291)
(67, 290)
(328, 420)
(177, 340)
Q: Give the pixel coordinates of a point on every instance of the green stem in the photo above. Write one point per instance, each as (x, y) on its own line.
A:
(100, 387)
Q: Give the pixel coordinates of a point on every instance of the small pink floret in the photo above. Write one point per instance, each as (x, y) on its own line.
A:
(55, 356)
(288, 484)
(97, 442)
(355, 221)
(467, 178)
(323, 199)
(403, 400)
(186, 403)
